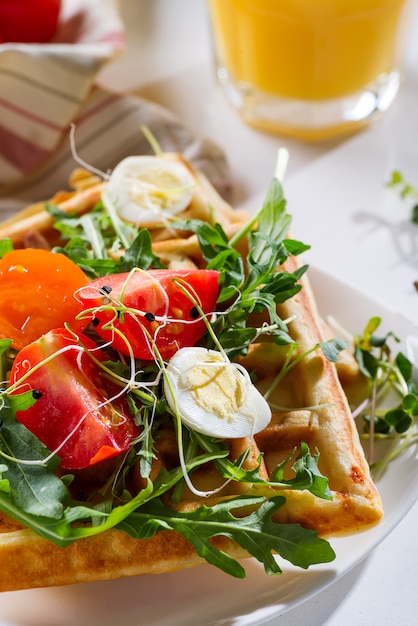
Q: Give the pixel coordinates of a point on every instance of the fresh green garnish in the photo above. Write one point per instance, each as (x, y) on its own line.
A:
(144, 514)
(102, 244)
(256, 533)
(390, 412)
(257, 286)
(95, 239)
(248, 286)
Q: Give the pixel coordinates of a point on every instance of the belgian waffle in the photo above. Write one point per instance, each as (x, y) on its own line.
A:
(309, 405)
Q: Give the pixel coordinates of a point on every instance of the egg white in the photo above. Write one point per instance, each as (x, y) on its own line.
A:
(147, 189)
(194, 388)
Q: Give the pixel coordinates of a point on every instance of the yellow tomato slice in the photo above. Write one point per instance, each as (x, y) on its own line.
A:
(37, 294)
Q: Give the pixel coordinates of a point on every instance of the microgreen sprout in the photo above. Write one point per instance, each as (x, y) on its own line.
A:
(330, 349)
(390, 411)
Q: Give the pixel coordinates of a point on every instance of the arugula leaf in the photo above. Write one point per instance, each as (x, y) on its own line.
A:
(256, 533)
(60, 529)
(256, 285)
(307, 473)
(96, 263)
(268, 248)
(34, 488)
(219, 255)
(17, 402)
(84, 228)
(266, 242)
(283, 285)
(140, 254)
(96, 238)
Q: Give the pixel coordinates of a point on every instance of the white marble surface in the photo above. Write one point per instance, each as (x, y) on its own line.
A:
(358, 230)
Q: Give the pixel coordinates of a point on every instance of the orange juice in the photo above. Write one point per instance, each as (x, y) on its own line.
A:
(307, 50)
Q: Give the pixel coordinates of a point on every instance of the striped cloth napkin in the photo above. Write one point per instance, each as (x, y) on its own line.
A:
(44, 87)
(107, 129)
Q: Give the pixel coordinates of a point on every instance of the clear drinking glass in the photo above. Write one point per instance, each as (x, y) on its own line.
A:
(309, 68)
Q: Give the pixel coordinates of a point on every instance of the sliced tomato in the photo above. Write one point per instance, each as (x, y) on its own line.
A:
(37, 289)
(29, 21)
(72, 415)
(147, 309)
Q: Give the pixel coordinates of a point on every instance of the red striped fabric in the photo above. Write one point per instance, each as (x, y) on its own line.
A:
(107, 129)
(43, 88)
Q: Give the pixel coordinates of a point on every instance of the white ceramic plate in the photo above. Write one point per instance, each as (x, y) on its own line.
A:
(205, 596)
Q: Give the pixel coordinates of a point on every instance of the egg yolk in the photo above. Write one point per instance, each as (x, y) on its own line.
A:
(216, 387)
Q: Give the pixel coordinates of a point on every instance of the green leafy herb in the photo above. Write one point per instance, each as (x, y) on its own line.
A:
(95, 241)
(256, 533)
(391, 410)
(30, 491)
(259, 284)
(307, 475)
(33, 486)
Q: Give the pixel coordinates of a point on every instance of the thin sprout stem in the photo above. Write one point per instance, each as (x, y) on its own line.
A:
(371, 425)
(282, 372)
(110, 209)
(209, 328)
(151, 140)
(81, 161)
(288, 366)
(313, 407)
(395, 450)
(243, 232)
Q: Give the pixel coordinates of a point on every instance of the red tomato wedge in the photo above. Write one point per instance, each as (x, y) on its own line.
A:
(72, 415)
(37, 288)
(29, 21)
(152, 304)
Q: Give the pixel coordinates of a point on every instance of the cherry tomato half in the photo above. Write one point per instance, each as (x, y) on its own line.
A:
(37, 293)
(72, 415)
(151, 303)
(28, 21)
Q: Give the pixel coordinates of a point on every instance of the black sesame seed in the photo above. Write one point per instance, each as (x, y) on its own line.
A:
(105, 289)
(37, 394)
(194, 313)
(95, 322)
(150, 317)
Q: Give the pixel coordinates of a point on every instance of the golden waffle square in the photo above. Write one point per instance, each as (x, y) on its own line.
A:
(309, 406)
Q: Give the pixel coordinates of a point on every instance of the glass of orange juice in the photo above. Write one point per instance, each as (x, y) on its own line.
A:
(311, 69)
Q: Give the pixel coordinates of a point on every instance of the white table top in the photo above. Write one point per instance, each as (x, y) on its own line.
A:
(340, 205)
